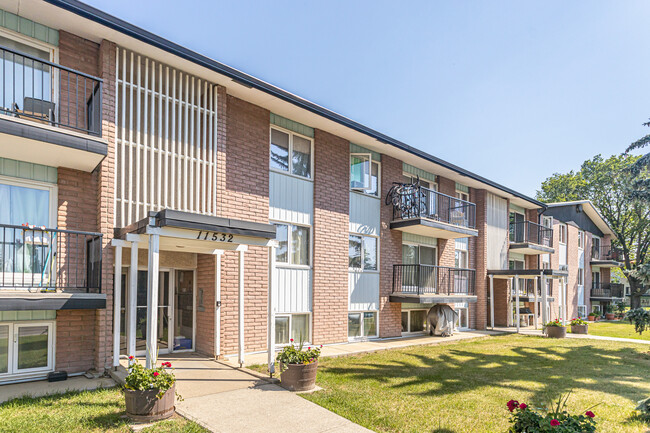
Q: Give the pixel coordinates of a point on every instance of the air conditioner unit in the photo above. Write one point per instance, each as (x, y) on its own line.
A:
(564, 267)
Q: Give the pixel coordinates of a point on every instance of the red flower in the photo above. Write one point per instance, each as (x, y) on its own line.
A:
(590, 414)
(523, 406)
(166, 364)
(555, 423)
(512, 404)
(155, 373)
(321, 346)
(308, 347)
(291, 340)
(131, 357)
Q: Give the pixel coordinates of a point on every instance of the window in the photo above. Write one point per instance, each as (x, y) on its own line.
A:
(292, 326)
(516, 227)
(462, 195)
(414, 321)
(582, 311)
(26, 347)
(595, 278)
(516, 264)
(364, 174)
(362, 252)
(291, 153)
(547, 222)
(581, 239)
(581, 277)
(596, 248)
(424, 183)
(460, 259)
(362, 324)
(562, 233)
(293, 245)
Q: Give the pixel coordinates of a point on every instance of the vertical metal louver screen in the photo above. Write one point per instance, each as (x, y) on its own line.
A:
(166, 140)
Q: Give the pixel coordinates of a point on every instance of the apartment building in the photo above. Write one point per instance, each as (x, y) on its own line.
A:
(160, 201)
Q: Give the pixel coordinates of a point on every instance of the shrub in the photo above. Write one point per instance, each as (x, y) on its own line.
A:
(596, 312)
(527, 420)
(577, 321)
(296, 355)
(554, 323)
(141, 378)
(640, 318)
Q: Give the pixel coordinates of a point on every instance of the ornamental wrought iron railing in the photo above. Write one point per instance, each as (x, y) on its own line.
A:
(428, 279)
(415, 201)
(44, 259)
(530, 232)
(606, 252)
(607, 290)
(48, 93)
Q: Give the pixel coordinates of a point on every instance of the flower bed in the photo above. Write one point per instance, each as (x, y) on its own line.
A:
(527, 420)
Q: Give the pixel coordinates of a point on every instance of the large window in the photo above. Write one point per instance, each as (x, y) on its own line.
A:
(562, 228)
(362, 324)
(363, 252)
(293, 245)
(516, 227)
(364, 174)
(414, 321)
(26, 347)
(291, 153)
(292, 326)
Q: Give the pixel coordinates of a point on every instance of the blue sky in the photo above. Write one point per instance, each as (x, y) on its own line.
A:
(512, 90)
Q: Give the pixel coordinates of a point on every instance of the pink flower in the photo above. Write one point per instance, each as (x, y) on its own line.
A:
(523, 406)
(155, 373)
(131, 357)
(321, 346)
(512, 404)
(555, 423)
(590, 414)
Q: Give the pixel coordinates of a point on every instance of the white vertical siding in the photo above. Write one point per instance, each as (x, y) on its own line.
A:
(363, 290)
(165, 140)
(290, 199)
(497, 232)
(364, 214)
(294, 290)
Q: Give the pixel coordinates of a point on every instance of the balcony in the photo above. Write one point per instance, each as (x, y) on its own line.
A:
(527, 237)
(46, 269)
(606, 256)
(527, 291)
(427, 284)
(50, 113)
(426, 212)
(607, 291)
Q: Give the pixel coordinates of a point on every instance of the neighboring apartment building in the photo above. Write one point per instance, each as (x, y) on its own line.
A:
(159, 201)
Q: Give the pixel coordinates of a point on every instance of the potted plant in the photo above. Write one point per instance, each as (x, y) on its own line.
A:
(149, 392)
(620, 310)
(594, 315)
(609, 312)
(555, 329)
(298, 367)
(579, 326)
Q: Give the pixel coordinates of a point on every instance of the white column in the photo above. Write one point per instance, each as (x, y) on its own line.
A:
(153, 270)
(536, 301)
(271, 337)
(117, 300)
(517, 301)
(510, 289)
(217, 304)
(544, 299)
(242, 250)
(492, 300)
(132, 301)
(564, 302)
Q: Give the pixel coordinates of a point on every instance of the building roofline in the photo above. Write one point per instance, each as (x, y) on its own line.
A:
(147, 37)
(593, 207)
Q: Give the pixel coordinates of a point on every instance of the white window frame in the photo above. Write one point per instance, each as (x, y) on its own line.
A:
(582, 311)
(362, 337)
(420, 245)
(547, 221)
(433, 185)
(290, 316)
(44, 186)
(581, 240)
(596, 239)
(408, 327)
(462, 195)
(371, 161)
(12, 366)
(580, 276)
(362, 269)
(288, 263)
(562, 233)
(289, 171)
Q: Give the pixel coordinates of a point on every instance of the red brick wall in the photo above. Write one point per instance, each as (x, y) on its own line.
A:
(390, 313)
(205, 276)
(446, 247)
(75, 340)
(331, 229)
(478, 255)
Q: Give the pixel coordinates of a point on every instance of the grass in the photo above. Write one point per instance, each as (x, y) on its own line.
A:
(464, 386)
(621, 329)
(89, 411)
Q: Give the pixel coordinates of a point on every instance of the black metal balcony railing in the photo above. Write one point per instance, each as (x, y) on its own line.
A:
(437, 280)
(52, 94)
(527, 289)
(414, 201)
(607, 290)
(50, 259)
(530, 232)
(606, 252)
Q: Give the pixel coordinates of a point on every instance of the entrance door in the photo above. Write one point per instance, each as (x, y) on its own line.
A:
(184, 311)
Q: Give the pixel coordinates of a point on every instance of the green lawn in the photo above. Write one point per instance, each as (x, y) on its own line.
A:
(464, 386)
(622, 329)
(89, 411)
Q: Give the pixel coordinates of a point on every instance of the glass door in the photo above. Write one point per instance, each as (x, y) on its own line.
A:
(32, 344)
(164, 313)
(184, 310)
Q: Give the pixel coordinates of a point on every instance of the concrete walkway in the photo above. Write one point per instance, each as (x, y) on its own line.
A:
(42, 388)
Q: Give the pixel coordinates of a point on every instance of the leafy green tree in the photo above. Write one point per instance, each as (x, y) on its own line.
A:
(608, 183)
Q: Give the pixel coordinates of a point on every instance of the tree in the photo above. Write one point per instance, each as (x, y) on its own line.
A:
(608, 183)
(641, 183)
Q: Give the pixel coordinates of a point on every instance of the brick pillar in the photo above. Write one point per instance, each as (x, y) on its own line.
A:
(480, 254)
(205, 275)
(390, 313)
(331, 230)
(105, 217)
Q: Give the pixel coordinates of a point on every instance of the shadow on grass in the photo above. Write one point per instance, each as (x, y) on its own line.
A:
(555, 367)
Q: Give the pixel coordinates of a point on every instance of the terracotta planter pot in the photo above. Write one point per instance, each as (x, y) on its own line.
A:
(556, 331)
(610, 316)
(299, 377)
(591, 318)
(579, 329)
(144, 406)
